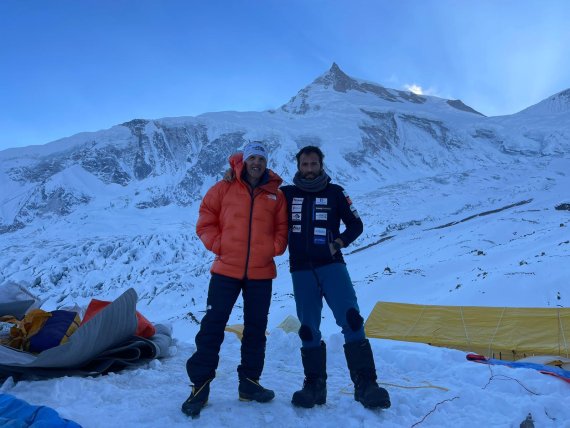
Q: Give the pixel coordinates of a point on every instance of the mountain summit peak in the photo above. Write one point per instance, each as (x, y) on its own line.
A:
(338, 79)
(335, 69)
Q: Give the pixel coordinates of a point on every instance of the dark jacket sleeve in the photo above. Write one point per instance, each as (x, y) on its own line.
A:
(349, 217)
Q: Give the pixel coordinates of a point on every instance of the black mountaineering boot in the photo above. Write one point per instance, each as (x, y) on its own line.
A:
(315, 385)
(197, 400)
(251, 390)
(363, 374)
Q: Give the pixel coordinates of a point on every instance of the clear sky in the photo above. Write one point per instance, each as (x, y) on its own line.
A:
(69, 66)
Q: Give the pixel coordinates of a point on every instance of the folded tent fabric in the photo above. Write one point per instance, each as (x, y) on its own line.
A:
(144, 326)
(106, 342)
(17, 309)
(13, 292)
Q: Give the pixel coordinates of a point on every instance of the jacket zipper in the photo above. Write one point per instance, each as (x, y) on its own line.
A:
(253, 195)
(309, 221)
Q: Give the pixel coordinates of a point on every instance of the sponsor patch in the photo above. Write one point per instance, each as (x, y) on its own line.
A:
(320, 240)
(353, 209)
(347, 197)
(320, 231)
(296, 228)
(296, 216)
(321, 201)
(296, 208)
(298, 200)
(321, 216)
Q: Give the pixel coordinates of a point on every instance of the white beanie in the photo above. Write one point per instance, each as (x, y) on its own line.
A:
(254, 148)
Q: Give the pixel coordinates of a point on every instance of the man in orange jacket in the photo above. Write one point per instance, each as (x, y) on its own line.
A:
(244, 223)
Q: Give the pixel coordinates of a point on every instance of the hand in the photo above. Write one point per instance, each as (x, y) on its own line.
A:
(335, 246)
(229, 175)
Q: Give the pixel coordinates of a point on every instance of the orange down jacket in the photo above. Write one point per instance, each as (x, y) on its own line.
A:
(244, 229)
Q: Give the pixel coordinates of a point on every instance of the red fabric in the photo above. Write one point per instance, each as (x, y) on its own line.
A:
(224, 225)
(476, 357)
(144, 326)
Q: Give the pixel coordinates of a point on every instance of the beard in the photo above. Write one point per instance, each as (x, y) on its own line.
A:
(311, 175)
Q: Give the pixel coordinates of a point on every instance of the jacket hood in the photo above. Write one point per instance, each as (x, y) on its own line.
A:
(237, 164)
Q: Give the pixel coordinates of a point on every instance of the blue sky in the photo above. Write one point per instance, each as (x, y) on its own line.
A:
(69, 66)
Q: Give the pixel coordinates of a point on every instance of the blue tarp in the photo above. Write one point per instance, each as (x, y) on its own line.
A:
(16, 413)
(545, 369)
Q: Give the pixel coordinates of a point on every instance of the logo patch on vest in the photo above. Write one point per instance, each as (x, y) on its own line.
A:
(321, 201)
(298, 200)
(296, 216)
(320, 240)
(321, 216)
(320, 231)
(353, 209)
(296, 228)
(296, 208)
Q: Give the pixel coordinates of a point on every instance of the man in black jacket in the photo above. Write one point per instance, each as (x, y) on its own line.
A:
(316, 208)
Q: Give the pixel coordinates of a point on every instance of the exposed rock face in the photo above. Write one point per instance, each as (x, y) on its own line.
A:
(379, 138)
(458, 104)
(210, 161)
(436, 128)
(155, 163)
(339, 81)
(299, 103)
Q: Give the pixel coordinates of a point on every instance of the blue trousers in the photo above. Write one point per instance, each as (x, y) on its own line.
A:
(333, 283)
(222, 295)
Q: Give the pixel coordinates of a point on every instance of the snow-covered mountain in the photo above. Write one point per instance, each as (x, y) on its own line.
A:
(458, 208)
(556, 104)
(94, 213)
(370, 133)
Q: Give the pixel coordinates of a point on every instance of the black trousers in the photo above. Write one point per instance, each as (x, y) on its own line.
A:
(222, 295)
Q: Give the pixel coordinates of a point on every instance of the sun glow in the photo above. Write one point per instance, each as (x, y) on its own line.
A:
(416, 89)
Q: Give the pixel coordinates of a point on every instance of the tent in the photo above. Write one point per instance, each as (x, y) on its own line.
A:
(107, 342)
(496, 332)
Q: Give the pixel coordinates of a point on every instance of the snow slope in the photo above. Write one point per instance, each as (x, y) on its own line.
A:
(458, 209)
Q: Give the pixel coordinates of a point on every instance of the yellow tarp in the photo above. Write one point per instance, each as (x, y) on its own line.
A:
(505, 333)
(235, 328)
(291, 324)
